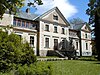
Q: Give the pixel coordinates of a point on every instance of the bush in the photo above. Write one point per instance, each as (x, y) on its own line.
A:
(13, 52)
(30, 70)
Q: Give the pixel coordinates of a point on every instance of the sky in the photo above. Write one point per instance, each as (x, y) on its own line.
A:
(69, 8)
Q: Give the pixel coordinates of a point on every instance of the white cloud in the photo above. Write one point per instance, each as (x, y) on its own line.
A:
(67, 9)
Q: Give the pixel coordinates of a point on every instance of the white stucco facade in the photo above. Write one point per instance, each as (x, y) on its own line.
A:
(45, 35)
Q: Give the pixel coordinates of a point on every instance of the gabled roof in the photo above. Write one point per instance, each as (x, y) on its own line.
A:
(79, 26)
(24, 15)
(49, 11)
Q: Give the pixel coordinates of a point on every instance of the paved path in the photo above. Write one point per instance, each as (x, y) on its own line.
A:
(51, 59)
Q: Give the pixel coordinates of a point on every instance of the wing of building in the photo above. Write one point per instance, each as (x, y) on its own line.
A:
(49, 32)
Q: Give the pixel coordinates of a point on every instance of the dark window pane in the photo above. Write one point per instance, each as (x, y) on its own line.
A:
(27, 24)
(32, 41)
(76, 45)
(55, 29)
(63, 44)
(55, 17)
(86, 46)
(85, 35)
(19, 23)
(63, 31)
(23, 23)
(47, 42)
(55, 44)
(14, 22)
(47, 27)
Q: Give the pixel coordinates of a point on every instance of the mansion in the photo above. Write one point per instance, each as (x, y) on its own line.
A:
(49, 32)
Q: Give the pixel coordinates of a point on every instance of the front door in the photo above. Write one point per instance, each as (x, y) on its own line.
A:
(55, 44)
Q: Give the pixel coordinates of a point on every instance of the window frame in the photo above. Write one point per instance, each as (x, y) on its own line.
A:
(18, 23)
(46, 27)
(32, 41)
(46, 42)
(63, 44)
(55, 30)
(23, 22)
(15, 21)
(55, 17)
(86, 46)
(77, 44)
(86, 36)
(27, 24)
(63, 30)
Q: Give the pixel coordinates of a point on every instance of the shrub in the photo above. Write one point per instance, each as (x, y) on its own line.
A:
(13, 52)
(30, 70)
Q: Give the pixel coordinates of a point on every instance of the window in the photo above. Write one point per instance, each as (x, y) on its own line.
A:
(19, 23)
(23, 23)
(76, 45)
(31, 25)
(32, 40)
(55, 29)
(46, 27)
(55, 17)
(55, 44)
(85, 35)
(14, 22)
(63, 44)
(47, 42)
(27, 24)
(86, 46)
(63, 31)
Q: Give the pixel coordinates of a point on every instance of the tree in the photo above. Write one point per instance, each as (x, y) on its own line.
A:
(13, 52)
(13, 5)
(94, 51)
(76, 21)
(94, 13)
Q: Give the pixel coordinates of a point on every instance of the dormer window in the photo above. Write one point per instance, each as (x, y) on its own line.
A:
(55, 17)
(23, 23)
(27, 24)
(14, 22)
(19, 23)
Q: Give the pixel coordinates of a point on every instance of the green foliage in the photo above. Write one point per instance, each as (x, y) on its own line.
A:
(32, 69)
(13, 5)
(94, 7)
(94, 51)
(94, 19)
(13, 52)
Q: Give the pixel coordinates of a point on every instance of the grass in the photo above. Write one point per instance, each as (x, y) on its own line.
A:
(73, 67)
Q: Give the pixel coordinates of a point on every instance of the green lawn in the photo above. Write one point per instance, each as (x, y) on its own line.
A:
(73, 67)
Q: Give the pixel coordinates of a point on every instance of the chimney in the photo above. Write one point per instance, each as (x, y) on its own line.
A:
(28, 10)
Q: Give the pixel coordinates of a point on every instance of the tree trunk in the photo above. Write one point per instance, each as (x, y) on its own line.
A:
(97, 34)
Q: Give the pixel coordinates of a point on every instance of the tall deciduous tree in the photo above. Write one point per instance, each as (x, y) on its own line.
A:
(13, 5)
(76, 21)
(94, 13)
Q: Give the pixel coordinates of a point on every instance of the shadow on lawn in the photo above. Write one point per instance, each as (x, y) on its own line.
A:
(97, 63)
(88, 59)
